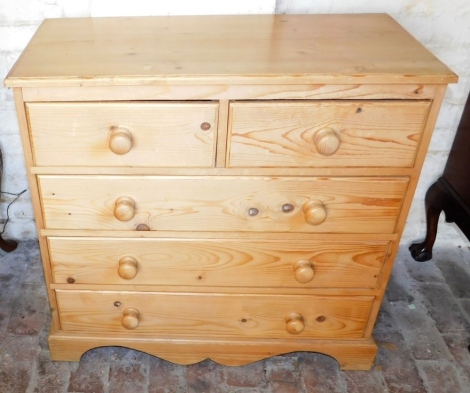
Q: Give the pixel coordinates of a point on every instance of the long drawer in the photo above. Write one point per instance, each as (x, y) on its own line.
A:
(336, 204)
(215, 262)
(117, 134)
(325, 133)
(215, 314)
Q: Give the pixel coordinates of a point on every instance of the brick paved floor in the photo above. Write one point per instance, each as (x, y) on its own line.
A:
(423, 334)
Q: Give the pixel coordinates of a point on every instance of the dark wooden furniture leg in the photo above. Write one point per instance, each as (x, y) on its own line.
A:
(440, 197)
(451, 192)
(8, 245)
(5, 245)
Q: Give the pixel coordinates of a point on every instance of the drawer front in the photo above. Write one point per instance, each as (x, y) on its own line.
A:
(123, 134)
(325, 133)
(215, 314)
(354, 205)
(227, 262)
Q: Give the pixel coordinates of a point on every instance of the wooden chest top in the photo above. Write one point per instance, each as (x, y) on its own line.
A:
(255, 49)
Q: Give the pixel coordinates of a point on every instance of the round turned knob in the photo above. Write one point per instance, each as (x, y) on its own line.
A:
(327, 141)
(124, 208)
(253, 211)
(315, 212)
(303, 271)
(120, 140)
(127, 268)
(295, 323)
(130, 318)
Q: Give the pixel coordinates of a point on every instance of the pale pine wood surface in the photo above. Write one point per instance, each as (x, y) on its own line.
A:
(351, 354)
(225, 49)
(262, 236)
(222, 204)
(232, 92)
(233, 172)
(163, 134)
(215, 315)
(221, 148)
(36, 203)
(208, 280)
(330, 291)
(282, 134)
(211, 262)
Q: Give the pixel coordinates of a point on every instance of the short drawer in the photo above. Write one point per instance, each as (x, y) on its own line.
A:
(215, 314)
(325, 133)
(215, 262)
(134, 134)
(336, 204)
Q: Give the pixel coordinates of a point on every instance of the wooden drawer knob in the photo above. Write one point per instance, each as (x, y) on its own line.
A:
(303, 271)
(315, 212)
(127, 268)
(124, 208)
(327, 141)
(295, 323)
(120, 140)
(130, 318)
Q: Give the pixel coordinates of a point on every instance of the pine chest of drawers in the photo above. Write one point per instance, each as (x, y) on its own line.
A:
(223, 187)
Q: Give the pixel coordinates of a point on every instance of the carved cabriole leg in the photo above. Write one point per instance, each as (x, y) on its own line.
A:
(437, 200)
(5, 245)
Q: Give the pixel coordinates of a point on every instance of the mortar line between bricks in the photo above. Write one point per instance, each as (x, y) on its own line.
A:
(462, 310)
(32, 376)
(107, 371)
(439, 363)
(186, 378)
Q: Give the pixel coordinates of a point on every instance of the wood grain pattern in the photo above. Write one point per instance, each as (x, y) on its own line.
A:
(350, 354)
(359, 205)
(164, 134)
(232, 92)
(269, 172)
(211, 262)
(282, 134)
(227, 290)
(214, 315)
(260, 236)
(249, 49)
(209, 280)
(36, 203)
(221, 148)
